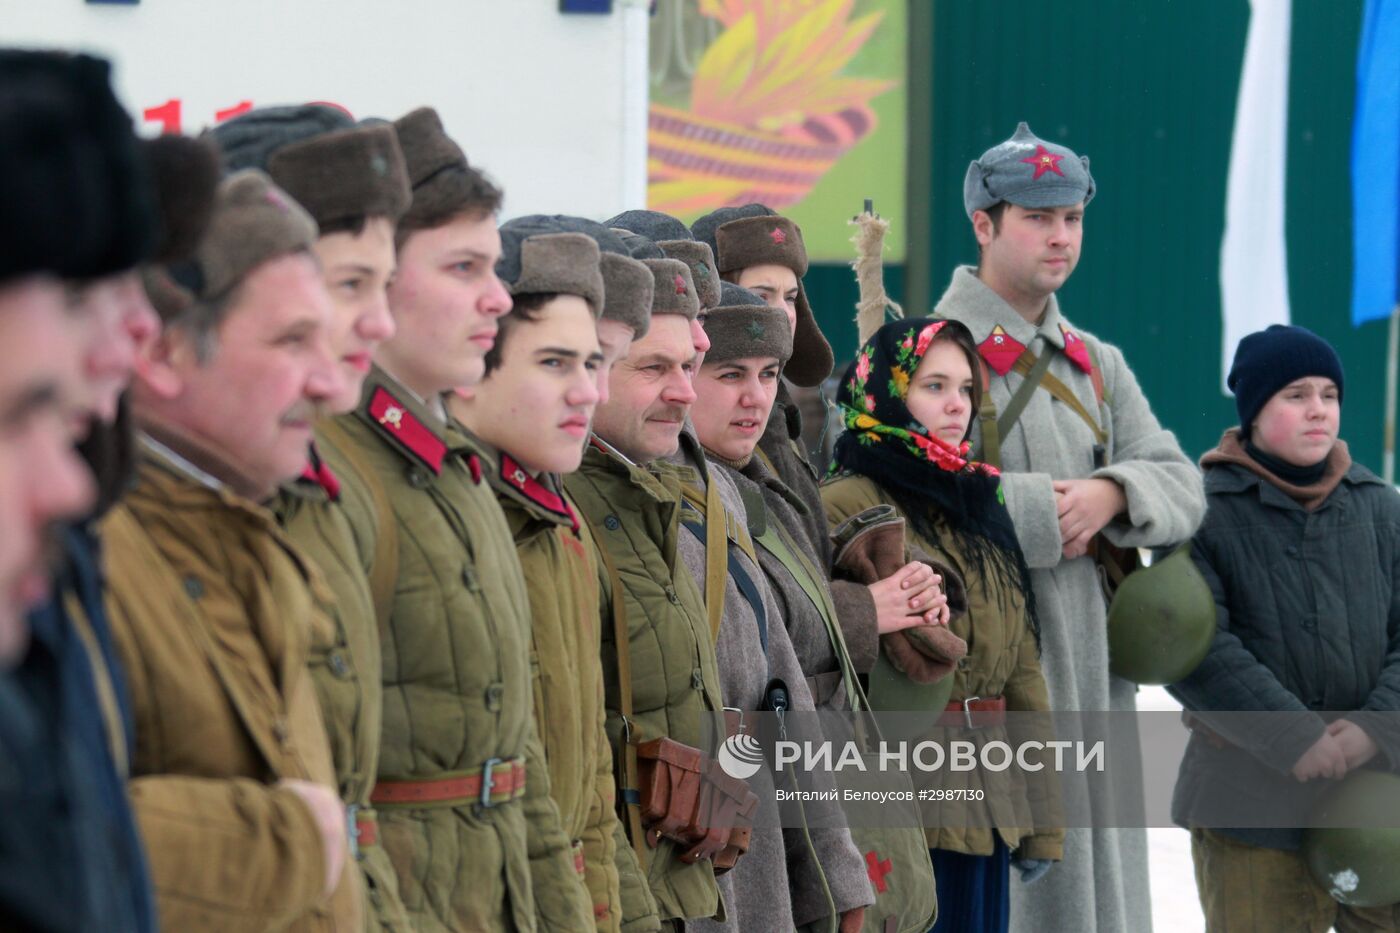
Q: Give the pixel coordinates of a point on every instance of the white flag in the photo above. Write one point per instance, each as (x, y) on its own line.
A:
(1253, 253)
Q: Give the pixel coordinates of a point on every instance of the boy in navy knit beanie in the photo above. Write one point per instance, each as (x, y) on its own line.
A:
(1299, 547)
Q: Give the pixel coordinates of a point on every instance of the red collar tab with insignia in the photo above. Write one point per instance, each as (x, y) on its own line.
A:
(395, 421)
(1076, 351)
(1044, 161)
(514, 475)
(319, 472)
(1001, 350)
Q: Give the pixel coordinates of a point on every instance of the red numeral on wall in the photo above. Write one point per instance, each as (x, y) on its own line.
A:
(243, 106)
(167, 115)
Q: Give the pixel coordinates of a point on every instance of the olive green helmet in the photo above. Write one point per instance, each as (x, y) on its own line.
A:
(1354, 859)
(1161, 622)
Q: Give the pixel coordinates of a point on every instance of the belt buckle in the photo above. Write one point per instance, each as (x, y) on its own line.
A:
(488, 781)
(352, 829)
(967, 712)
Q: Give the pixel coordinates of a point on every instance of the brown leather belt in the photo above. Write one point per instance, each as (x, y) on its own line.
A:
(366, 831)
(974, 712)
(498, 781)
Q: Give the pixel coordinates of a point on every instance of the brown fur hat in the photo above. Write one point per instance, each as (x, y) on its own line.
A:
(743, 326)
(627, 284)
(444, 184)
(674, 240)
(674, 290)
(629, 290)
(186, 174)
(253, 222)
(551, 264)
(346, 175)
(753, 235)
(702, 267)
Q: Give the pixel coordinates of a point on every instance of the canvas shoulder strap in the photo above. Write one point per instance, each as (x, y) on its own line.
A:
(1064, 393)
(384, 573)
(776, 541)
(631, 793)
(716, 547)
(996, 426)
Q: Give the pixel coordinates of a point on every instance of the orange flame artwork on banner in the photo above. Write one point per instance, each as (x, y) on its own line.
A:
(770, 108)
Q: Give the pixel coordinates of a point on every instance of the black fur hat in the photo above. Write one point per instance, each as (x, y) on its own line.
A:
(75, 193)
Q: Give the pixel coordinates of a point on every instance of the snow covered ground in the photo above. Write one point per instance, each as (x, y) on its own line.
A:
(1175, 907)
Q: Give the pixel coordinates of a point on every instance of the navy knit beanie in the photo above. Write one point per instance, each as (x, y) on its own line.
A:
(1270, 359)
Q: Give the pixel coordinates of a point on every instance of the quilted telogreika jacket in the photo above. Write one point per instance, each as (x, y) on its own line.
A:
(1001, 661)
(561, 575)
(675, 681)
(463, 792)
(344, 663)
(1307, 627)
(212, 609)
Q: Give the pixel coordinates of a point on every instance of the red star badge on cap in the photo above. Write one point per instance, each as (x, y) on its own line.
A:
(779, 236)
(1044, 161)
(680, 285)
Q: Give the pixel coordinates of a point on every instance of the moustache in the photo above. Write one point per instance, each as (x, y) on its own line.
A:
(304, 412)
(670, 413)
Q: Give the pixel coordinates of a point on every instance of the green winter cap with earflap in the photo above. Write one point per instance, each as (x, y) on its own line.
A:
(743, 327)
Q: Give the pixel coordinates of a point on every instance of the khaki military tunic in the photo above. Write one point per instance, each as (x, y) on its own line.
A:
(558, 557)
(635, 514)
(212, 610)
(344, 658)
(457, 694)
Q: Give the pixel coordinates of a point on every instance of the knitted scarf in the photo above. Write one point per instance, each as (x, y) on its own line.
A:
(927, 478)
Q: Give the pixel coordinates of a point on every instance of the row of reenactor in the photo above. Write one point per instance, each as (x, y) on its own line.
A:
(413, 565)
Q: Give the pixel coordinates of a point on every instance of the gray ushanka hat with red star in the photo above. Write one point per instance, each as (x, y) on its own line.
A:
(1027, 171)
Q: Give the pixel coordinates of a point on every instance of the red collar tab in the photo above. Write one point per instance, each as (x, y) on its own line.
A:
(395, 421)
(474, 465)
(1001, 350)
(319, 472)
(514, 475)
(1076, 351)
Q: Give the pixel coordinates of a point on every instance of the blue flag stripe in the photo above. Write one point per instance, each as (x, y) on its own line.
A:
(1375, 165)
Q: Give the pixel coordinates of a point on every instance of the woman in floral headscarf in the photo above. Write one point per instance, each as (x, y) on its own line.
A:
(907, 403)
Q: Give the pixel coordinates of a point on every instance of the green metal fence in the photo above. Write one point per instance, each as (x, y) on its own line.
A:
(1147, 89)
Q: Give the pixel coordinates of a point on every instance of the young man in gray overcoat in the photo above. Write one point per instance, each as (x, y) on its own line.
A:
(1074, 474)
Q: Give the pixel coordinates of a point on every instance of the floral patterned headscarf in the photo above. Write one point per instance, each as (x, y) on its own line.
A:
(930, 480)
(873, 396)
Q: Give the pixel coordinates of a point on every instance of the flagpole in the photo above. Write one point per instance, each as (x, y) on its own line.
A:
(1392, 352)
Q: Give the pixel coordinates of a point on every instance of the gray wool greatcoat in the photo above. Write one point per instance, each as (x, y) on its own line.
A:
(1308, 623)
(777, 885)
(1102, 884)
(805, 627)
